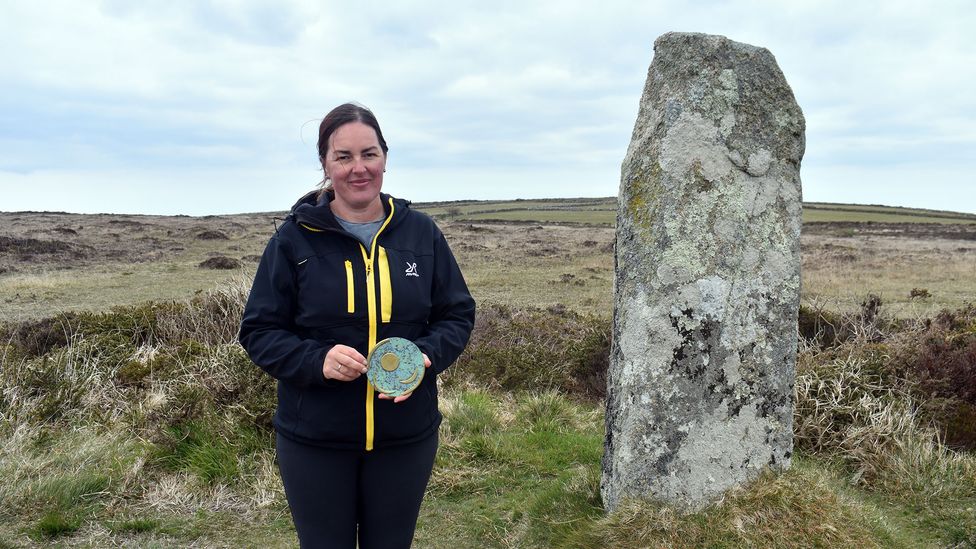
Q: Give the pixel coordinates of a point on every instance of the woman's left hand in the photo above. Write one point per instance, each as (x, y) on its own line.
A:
(404, 396)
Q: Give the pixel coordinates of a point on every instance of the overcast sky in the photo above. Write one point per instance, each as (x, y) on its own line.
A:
(212, 107)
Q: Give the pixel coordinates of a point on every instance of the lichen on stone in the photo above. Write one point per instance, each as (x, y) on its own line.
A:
(707, 282)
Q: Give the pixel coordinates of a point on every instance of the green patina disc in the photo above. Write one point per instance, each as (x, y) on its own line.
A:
(395, 366)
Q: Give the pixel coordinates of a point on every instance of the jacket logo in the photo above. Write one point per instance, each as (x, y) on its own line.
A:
(411, 269)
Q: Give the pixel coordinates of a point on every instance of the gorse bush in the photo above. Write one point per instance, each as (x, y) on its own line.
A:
(68, 385)
(848, 409)
(835, 396)
(946, 357)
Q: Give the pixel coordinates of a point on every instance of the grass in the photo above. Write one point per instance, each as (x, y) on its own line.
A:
(556, 265)
(840, 275)
(799, 508)
(146, 425)
(603, 211)
(513, 470)
(34, 295)
(523, 471)
(586, 217)
(103, 488)
(505, 482)
(55, 523)
(195, 448)
(70, 500)
(135, 526)
(835, 215)
(55, 483)
(932, 216)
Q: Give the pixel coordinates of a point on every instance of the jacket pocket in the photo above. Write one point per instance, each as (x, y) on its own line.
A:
(350, 289)
(408, 419)
(330, 291)
(298, 406)
(386, 290)
(411, 281)
(288, 413)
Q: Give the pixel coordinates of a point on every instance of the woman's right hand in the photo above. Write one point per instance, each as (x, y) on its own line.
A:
(343, 363)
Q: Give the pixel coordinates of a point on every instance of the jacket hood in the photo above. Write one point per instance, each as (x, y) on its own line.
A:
(310, 211)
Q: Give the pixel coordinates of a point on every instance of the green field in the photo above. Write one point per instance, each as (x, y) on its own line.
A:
(826, 213)
(893, 210)
(603, 211)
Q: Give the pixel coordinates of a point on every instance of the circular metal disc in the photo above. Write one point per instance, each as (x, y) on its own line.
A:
(395, 366)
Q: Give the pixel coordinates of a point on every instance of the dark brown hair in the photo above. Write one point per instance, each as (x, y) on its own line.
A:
(344, 114)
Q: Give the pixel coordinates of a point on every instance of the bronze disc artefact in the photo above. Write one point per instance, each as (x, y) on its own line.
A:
(395, 366)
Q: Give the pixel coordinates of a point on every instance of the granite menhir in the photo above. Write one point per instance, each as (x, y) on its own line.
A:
(707, 282)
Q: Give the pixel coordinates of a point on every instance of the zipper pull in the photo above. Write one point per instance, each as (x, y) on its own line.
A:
(369, 270)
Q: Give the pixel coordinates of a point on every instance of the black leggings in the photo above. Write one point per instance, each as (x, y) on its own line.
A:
(330, 492)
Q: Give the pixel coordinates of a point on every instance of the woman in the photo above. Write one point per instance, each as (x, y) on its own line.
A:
(351, 266)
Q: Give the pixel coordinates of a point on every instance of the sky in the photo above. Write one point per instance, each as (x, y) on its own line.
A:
(212, 107)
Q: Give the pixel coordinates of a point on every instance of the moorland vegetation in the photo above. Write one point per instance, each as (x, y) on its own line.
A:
(144, 423)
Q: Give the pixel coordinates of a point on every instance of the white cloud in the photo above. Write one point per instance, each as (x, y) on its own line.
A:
(171, 89)
(914, 186)
(187, 192)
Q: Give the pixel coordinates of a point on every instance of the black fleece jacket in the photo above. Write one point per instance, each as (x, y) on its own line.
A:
(311, 292)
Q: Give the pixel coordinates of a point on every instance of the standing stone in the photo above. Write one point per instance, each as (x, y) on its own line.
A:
(700, 386)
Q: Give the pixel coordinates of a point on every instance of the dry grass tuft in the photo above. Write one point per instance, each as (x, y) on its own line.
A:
(869, 403)
(536, 350)
(798, 508)
(132, 412)
(117, 425)
(211, 318)
(847, 409)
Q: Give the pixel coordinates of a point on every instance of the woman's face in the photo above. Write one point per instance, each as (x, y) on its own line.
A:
(355, 163)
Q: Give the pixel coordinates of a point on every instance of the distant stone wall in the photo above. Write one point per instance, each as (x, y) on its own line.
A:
(707, 284)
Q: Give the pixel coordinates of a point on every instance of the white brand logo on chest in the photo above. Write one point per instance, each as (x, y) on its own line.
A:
(411, 269)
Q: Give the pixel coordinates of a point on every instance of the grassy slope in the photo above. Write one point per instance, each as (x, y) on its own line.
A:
(113, 260)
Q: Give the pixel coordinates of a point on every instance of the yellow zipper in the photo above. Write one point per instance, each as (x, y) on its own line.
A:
(369, 260)
(386, 304)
